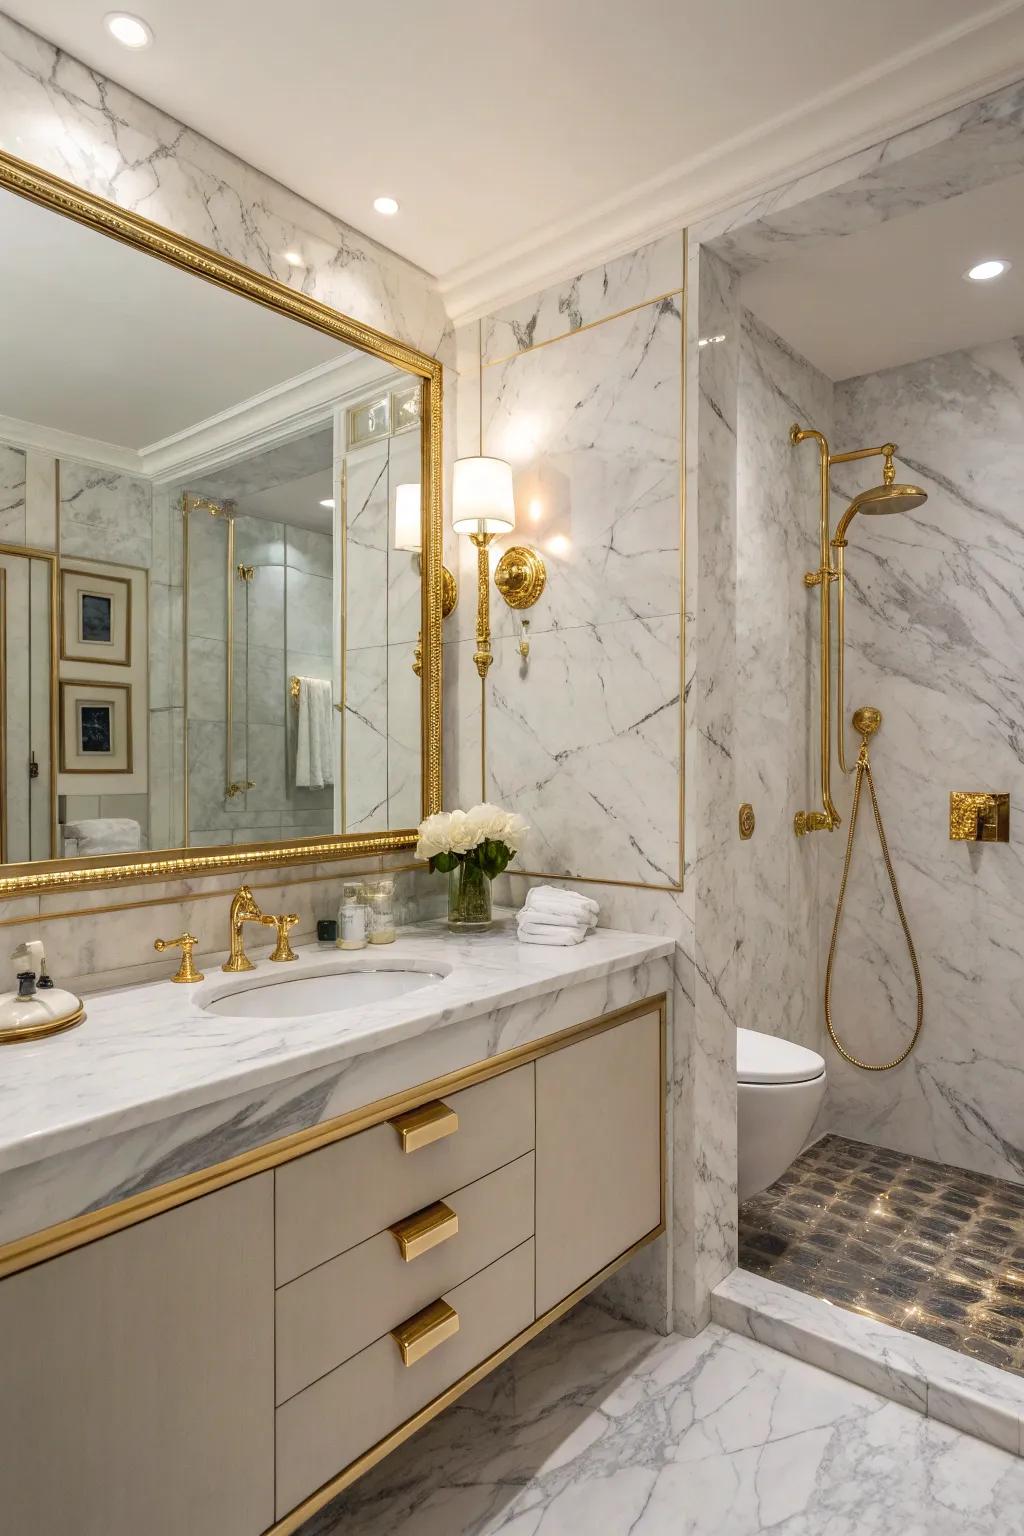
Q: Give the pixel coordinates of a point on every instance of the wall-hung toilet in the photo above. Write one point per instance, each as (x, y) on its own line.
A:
(779, 1088)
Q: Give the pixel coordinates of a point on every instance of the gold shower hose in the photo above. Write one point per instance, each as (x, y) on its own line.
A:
(864, 772)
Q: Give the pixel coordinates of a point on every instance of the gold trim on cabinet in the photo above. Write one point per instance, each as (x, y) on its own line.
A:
(49, 1242)
(133, 229)
(302, 1512)
(421, 1127)
(419, 1336)
(424, 1230)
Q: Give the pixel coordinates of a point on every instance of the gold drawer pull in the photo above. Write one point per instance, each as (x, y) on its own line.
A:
(424, 1229)
(421, 1126)
(420, 1334)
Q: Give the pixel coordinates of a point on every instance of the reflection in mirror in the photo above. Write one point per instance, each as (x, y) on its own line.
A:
(208, 627)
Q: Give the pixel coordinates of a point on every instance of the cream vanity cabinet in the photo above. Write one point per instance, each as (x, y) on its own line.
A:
(224, 1367)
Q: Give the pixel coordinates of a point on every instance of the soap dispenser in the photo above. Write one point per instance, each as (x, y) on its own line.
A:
(38, 1008)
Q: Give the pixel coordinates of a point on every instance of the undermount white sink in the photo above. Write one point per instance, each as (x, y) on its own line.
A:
(328, 989)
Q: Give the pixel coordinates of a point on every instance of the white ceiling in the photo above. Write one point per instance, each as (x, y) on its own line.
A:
(111, 344)
(523, 138)
(895, 293)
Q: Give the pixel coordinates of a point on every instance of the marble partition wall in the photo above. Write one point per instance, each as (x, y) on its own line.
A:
(12, 494)
(583, 390)
(936, 640)
(777, 494)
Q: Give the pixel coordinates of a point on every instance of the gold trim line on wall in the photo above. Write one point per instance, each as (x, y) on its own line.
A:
(132, 229)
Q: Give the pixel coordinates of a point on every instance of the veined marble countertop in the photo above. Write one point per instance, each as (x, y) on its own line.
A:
(148, 1052)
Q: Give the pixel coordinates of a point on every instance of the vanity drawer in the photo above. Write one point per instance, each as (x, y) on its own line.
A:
(332, 1199)
(327, 1426)
(337, 1309)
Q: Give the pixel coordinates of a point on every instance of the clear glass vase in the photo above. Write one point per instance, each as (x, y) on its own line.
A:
(469, 898)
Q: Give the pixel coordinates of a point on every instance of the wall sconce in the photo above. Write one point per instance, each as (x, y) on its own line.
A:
(482, 505)
(409, 537)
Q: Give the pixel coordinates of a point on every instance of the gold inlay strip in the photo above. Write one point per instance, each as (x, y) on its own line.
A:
(578, 330)
(36, 1247)
(143, 234)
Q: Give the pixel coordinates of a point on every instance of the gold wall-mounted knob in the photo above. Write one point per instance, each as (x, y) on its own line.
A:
(186, 942)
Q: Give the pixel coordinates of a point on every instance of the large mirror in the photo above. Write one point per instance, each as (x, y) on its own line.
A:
(213, 625)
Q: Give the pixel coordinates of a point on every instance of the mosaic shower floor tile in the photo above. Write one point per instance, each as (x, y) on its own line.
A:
(930, 1249)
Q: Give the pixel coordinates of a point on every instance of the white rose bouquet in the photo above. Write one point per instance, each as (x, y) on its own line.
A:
(474, 847)
(485, 835)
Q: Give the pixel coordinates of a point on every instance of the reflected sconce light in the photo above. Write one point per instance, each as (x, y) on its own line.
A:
(409, 537)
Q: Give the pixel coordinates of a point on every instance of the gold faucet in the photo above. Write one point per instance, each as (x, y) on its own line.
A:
(244, 909)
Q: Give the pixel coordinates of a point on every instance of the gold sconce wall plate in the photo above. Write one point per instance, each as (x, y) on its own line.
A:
(520, 576)
(449, 592)
(976, 816)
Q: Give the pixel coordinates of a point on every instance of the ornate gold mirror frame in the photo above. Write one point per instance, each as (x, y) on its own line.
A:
(132, 229)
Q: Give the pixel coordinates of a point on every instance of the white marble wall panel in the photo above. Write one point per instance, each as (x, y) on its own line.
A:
(57, 113)
(648, 273)
(12, 495)
(936, 635)
(777, 490)
(105, 515)
(971, 146)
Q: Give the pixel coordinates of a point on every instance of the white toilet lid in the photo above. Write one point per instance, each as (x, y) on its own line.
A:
(767, 1059)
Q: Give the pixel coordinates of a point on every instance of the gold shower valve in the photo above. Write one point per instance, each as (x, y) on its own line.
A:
(977, 816)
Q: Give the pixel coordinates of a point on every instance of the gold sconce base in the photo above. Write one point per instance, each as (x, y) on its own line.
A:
(520, 576)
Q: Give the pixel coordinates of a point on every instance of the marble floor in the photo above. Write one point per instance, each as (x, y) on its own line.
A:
(598, 1428)
(930, 1249)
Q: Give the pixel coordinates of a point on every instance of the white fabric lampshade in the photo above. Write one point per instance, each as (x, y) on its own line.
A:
(482, 498)
(408, 518)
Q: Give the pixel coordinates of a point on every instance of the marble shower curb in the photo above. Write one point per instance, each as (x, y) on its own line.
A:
(966, 1394)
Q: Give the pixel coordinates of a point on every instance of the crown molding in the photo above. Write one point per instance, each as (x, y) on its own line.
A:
(958, 66)
(29, 435)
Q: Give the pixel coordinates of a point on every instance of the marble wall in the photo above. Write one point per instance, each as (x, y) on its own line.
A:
(936, 640)
(777, 491)
(582, 390)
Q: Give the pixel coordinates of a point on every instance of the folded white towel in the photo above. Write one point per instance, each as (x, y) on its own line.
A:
(547, 898)
(552, 936)
(104, 834)
(536, 917)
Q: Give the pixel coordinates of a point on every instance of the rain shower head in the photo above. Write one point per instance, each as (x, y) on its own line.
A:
(879, 500)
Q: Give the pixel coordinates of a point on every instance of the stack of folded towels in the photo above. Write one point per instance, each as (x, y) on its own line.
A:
(553, 916)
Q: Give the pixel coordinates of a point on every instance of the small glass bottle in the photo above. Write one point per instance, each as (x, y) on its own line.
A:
(352, 915)
(382, 911)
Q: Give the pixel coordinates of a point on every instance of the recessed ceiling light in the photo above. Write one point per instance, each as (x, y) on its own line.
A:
(387, 205)
(130, 31)
(328, 503)
(293, 258)
(983, 271)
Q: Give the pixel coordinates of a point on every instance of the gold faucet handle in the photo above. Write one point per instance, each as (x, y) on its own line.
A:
(186, 942)
(283, 949)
